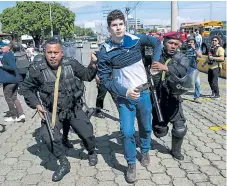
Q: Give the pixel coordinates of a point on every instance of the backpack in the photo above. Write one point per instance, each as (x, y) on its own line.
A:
(22, 62)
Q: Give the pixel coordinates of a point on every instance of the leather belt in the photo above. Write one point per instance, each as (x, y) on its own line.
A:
(143, 87)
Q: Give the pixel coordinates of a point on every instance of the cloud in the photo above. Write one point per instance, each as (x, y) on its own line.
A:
(78, 4)
(96, 22)
(156, 22)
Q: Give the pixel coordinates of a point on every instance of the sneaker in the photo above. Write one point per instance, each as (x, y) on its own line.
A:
(145, 159)
(197, 100)
(131, 173)
(21, 118)
(217, 97)
(10, 119)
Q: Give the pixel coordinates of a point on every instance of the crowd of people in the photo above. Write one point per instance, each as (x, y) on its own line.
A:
(54, 86)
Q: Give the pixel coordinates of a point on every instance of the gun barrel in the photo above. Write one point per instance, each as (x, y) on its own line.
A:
(47, 118)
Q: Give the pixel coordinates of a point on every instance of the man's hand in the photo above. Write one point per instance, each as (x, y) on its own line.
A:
(159, 66)
(97, 80)
(1, 64)
(40, 111)
(132, 93)
(211, 57)
(94, 59)
(193, 45)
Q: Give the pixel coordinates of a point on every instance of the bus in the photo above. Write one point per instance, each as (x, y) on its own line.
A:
(203, 27)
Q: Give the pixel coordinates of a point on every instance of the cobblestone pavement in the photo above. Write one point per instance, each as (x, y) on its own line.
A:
(26, 161)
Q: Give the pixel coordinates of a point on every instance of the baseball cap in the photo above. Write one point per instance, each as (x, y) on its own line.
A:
(4, 42)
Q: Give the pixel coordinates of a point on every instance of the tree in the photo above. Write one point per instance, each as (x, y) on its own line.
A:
(89, 32)
(33, 18)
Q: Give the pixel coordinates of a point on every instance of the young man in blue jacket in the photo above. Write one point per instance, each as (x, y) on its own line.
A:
(121, 70)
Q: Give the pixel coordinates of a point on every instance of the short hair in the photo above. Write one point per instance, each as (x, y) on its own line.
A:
(218, 38)
(52, 41)
(113, 15)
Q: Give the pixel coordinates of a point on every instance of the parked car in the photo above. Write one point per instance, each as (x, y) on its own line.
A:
(206, 43)
(79, 44)
(94, 46)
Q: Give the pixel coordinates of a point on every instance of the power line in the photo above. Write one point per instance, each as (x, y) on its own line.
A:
(134, 7)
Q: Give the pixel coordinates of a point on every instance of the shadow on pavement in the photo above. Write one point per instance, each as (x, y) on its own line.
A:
(108, 147)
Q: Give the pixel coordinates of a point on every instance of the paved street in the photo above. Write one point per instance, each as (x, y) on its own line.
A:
(26, 161)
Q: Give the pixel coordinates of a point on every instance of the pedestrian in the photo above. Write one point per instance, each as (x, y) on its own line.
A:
(10, 78)
(42, 77)
(215, 59)
(172, 66)
(198, 39)
(121, 70)
(193, 53)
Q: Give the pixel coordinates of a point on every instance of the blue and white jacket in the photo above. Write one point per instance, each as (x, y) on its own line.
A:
(120, 66)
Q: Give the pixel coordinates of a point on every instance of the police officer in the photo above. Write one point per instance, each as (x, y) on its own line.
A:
(42, 77)
(173, 65)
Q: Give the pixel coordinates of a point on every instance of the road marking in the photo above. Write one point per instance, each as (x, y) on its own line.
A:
(218, 127)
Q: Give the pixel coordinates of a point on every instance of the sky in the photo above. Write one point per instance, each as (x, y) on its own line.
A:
(149, 12)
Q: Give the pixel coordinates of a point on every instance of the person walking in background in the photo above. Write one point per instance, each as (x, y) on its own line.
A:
(9, 76)
(198, 39)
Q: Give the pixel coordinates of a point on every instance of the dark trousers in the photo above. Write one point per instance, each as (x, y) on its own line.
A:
(172, 112)
(101, 96)
(10, 93)
(213, 80)
(81, 126)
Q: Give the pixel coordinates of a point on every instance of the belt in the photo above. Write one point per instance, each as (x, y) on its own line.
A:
(143, 87)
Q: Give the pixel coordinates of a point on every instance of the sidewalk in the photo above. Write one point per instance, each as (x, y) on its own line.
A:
(26, 161)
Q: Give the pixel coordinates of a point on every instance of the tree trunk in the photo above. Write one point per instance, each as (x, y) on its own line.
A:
(37, 40)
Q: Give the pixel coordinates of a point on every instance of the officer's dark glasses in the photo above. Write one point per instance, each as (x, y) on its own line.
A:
(215, 40)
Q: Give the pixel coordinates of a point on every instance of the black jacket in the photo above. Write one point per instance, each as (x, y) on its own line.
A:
(36, 81)
(179, 66)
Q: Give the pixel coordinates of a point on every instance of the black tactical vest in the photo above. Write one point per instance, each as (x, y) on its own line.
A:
(70, 91)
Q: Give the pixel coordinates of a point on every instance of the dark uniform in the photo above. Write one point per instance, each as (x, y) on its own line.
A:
(170, 104)
(69, 108)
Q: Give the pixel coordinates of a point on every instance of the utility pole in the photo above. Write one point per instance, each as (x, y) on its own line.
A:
(174, 14)
(127, 9)
(210, 10)
(106, 9)
(136, 21)
(51, 22)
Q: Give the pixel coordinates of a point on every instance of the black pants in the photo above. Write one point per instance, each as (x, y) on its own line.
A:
(10, 94)
(82, 127)
(101, 96)
(213, 80)
(172, 112)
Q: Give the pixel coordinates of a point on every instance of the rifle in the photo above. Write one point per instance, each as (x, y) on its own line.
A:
(154, 96)
(48, 122)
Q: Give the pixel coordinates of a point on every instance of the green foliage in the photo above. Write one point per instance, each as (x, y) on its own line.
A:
(83, 31)
(33, 18)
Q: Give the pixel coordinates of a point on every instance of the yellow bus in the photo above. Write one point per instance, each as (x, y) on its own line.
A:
(203, 27)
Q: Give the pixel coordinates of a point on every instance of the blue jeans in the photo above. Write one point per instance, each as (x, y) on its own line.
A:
(128, 110)
(197, 88)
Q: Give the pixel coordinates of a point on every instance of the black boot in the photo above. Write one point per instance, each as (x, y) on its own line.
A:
(92, 159)
(176, 148)
(66, 142)
(62, 170)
